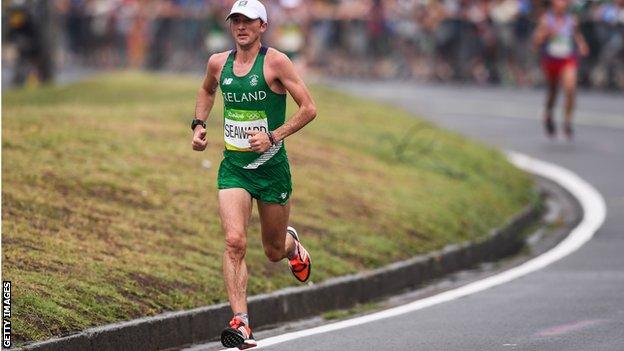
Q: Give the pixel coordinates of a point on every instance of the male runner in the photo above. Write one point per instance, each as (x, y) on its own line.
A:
(254, 81)
(556, 35)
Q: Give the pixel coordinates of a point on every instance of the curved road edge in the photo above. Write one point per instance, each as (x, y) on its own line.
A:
(594, 214)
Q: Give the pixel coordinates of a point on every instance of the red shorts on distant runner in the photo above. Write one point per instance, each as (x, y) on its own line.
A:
(553, 67)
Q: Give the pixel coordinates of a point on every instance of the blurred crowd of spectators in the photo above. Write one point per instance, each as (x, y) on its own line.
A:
(483, 41)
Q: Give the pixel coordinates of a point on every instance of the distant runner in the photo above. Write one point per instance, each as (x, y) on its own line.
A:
(556, 36)
(254, 81)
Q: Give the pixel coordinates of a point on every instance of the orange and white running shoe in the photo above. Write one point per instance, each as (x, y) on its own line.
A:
(238, 335)
(300, 266)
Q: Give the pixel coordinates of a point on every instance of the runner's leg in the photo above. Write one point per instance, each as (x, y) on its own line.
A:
(569, 86)
(552, 83)
(274, 221)
(235, 210)
(551, 95)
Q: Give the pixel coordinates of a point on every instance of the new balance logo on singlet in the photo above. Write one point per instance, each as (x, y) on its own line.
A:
(227, 81)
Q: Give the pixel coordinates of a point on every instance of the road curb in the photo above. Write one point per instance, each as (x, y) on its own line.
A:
(175, 329)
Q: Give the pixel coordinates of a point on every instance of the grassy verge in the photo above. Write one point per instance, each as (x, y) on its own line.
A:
(108, 215)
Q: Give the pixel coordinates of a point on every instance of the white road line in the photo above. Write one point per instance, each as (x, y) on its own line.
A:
(594, 213)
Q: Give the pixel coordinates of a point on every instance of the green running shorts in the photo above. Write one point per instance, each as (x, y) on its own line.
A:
(267, 184)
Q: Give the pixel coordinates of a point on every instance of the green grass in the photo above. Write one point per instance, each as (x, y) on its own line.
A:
(108, 214)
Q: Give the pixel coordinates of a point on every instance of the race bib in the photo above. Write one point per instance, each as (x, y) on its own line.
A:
(237, 122)
(560, 47)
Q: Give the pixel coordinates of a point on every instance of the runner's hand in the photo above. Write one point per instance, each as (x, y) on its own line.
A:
(199, 139)
(583, 49)
(259, 141)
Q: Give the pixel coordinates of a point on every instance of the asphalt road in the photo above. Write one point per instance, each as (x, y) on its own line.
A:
(574, 304)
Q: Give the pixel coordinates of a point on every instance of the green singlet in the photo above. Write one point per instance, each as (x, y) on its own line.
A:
(249, 104)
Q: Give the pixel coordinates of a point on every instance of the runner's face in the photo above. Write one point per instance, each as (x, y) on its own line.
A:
(246, 31)
(560, 6)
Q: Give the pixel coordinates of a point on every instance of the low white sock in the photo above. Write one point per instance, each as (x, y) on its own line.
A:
(244, 317)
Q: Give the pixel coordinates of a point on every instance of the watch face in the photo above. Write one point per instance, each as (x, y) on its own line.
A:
(197, 122)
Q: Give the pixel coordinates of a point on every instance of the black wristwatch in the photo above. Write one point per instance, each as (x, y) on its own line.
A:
(197, 122)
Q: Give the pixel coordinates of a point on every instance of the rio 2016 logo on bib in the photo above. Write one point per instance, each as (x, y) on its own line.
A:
(237, 122)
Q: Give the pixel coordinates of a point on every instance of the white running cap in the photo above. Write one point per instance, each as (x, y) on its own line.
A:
(249, 8)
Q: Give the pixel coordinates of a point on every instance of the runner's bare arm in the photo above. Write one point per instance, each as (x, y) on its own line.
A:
(581, 44)
(205, 99)
(287, 75)
(207, 91)
(541, 33)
